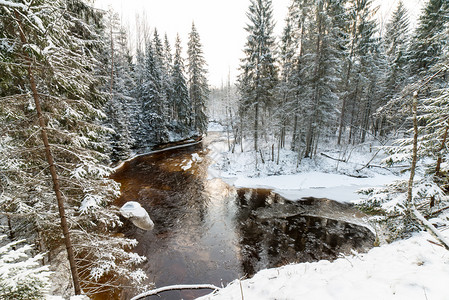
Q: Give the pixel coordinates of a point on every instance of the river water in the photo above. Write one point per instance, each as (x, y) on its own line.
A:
(208, 232)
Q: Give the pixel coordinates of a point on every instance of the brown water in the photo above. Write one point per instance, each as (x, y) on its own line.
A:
(208, 232)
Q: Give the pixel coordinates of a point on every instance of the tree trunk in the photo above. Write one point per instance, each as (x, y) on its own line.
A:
(348, 76)
(279, 153)
(295, 136)
(51, 164)
(112, 64)
(415, 151)
(352, 130)
(366, 117)
(440, 158)
(256, 125)
(241, 132)
(314, 119)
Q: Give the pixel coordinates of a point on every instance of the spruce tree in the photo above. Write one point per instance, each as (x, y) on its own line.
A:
(167, 83)
(395, 42)
(153, 126)
(286, 88)
(119, 84)
(63, 59)
(302, 18)
(198, 86)
(258, 77)
(325, 67)
(426, 48)
(181, 102)
(362, 73)
(161, 68)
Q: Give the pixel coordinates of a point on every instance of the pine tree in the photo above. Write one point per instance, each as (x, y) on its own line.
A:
(198, 86)
(258, 77)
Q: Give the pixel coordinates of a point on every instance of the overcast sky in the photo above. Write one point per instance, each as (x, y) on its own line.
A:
(220, 24)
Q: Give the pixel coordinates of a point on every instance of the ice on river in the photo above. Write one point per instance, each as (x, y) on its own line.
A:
(337, 187)
(187, 164)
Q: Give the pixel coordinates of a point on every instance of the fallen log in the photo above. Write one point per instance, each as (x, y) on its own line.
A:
(430, 228)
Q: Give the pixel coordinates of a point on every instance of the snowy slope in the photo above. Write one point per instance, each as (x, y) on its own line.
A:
(409, 269)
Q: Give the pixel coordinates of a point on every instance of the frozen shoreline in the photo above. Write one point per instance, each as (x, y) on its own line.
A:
(337, 187)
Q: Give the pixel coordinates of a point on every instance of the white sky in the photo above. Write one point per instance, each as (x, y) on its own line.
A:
(220, 24)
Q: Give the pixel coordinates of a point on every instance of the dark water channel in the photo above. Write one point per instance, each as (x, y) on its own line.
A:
(208, 232)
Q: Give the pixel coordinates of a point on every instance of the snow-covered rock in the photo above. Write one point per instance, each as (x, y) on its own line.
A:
(133, 211)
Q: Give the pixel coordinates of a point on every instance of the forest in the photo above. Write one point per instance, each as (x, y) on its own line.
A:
(76, 100)
(333, 73)
(335, 79)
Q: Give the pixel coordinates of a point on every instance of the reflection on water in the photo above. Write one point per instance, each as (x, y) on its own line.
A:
(208, 232)
(274, 231)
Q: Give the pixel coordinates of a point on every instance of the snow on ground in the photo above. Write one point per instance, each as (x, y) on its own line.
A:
(313, 184)
(416, 268)
(78, 297)
(320, 177)
(214, 126)
(409, 269)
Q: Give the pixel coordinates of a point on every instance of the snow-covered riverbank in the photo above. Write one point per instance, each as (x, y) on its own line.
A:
(415, 268)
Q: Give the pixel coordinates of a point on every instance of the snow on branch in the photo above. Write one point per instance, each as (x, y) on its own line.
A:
(176, 287)
(13, 4)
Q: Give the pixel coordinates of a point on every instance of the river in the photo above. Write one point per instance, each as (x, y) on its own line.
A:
(209, 232)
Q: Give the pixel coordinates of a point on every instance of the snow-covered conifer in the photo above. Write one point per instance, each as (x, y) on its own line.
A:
(63, 60)
(426, 48)
(21, 275)
(258, 77)
(197, 81)
(181, 101)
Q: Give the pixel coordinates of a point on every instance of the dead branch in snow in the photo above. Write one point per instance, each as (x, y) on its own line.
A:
(430, 228)
(328, 156)
(176, 287)
(437, 212)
